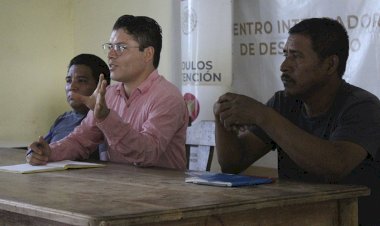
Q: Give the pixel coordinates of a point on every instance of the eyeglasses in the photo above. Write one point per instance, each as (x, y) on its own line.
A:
(119, 48)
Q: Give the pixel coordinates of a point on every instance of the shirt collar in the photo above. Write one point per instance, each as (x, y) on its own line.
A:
(145, 85)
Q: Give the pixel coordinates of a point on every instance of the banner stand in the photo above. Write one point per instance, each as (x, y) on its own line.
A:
(206, 58)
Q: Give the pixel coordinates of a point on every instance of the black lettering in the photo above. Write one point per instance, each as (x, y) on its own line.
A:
(263, 47)
(365, 21)
(355, 44)
(352, 21)
(208, 65)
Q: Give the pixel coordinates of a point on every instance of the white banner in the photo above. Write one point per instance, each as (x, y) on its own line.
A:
(206, 46)
(260, 31)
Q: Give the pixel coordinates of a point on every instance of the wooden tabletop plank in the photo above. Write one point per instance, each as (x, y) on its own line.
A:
(131, 194)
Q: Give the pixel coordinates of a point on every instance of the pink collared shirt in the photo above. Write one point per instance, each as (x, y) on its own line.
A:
(146, 129)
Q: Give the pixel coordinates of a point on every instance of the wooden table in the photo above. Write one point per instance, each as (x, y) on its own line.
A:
(126, 195)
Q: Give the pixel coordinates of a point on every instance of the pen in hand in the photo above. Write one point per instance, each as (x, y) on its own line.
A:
(47, 138)
(38, 152)
(29, 151)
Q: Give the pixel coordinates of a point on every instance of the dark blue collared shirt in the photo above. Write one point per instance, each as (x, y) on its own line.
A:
(64, 125)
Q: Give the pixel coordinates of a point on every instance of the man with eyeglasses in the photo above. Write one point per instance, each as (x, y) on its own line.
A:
(142, 117)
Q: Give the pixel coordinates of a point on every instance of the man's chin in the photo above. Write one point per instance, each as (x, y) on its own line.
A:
(75, 105)
(289, 93)
(115, 77)
(81, 110)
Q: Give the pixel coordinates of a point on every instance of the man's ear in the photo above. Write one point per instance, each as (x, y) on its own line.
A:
(149, 53)
(332, 64)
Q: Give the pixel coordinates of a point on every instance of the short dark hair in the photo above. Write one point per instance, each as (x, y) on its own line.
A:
(146, 31)
(95, 63)
(328, 37)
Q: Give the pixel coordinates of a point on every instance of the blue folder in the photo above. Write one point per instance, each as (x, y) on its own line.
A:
(225, 180)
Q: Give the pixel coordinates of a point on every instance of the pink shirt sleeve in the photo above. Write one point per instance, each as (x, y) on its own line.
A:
(145, 147)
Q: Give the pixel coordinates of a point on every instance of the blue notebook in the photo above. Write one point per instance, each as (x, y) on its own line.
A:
(225, 180)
